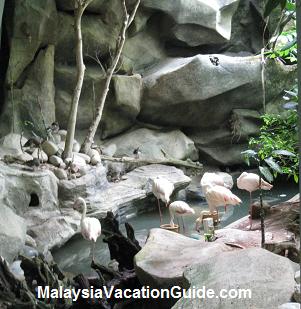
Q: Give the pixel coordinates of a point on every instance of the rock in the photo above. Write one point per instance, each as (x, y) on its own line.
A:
(76, 159)
(95, 159)
(196, 23)
(30, 241)
(57, 161)
(21, 189)
(63, 134)
(34, 100)
(68, 5)
(50, 148)
(227, 270)
(92, 153)
(297, 276)
(297, 293)
(84, 156)
(40, 154)
(289, 306)
(76, 147)
(109, 150)
(13, 141)
(30, 252)
(60, 173)
(12, 233)
(56, 138)
(24, 156)
(151, 144)
(153, 262)
(16, 270)
(33, 26)
(121, 108)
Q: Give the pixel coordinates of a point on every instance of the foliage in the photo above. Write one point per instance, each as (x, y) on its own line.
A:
(276, 147)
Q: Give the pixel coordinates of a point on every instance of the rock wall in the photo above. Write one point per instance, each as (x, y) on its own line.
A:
(186, 65)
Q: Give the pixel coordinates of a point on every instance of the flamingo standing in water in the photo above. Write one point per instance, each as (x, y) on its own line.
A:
(179, 208)
(162, 189)
(250, 182)
(90, 227)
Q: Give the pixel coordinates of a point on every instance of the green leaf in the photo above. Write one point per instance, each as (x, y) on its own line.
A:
(296, 178)
(283, 153)
(272, 164)
(266, 173)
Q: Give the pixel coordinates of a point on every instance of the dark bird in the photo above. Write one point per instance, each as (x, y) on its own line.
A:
(214, 60)
(54, 128)
(137, 152)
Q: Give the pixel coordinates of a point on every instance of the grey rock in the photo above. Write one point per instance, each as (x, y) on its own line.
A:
(151, 144)
(165, 256)
(63, 134)
(18, 185)
(12, 233)
(16, 270)
(30, 241)
(297, 293)
(297, 276)
(109, 150)
(50, 148)
(29, 251)
(95, 159)
(228, 271)
(40, 154)
(24, 156)
(84, 156)
(60, 173)
(197, 23)
(13, 140)
(56, 161)
(76, 146)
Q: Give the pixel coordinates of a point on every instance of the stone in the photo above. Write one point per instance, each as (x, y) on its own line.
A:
(34, 98)
(228, 271)
(92, 153)
(109, 150)
(297, 276)
(30, 241)
(13, 140)
(22, 189)
(152, 143)
(153, 262)
(50, 148)
(216, 95)
(76, 159)
(297, 293)
(122, 104)
(33, 26)
(16, 270)
(95, 159)
(40, 154)
(56, 138)
(84, 156)
(289, 306)
(60, 173)
(76, 146)
(63, 134)
(24, 156)
(12, 233)
(196, 22)
(57, 161)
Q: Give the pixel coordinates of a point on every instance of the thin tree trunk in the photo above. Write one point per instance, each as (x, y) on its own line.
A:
(78, 12)
(119, 47)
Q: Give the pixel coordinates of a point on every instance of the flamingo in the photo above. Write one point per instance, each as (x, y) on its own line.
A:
(199, 220)
(90, 227)
(220, 196)
(250, 182)
(180, 208)
(162, 189)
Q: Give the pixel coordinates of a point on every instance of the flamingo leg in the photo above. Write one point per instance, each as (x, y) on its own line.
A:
(184, 232)
(160, 212)
(250, 211)
(93, 251)
(178, 220)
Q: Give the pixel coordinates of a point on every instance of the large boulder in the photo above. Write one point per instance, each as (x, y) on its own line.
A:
(33, 25)
(165, 256)
(121, 107)
(197, 22)
(12, 233)
(208, 88)
(22, 188)
(153, 144)
(268, 277)
(31, 106)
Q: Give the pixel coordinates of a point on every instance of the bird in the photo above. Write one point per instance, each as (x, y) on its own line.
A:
(137, 152)
(179, 208)
(212, 179)
(90, 227)
(250, 182)
(162, 189)
(217, 195)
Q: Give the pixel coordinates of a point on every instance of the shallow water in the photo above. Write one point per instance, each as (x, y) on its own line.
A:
(75, 256)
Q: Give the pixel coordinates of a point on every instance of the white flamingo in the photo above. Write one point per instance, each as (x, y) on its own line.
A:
(162, 189)
(250, 182)
(179, 208)
(90, 227)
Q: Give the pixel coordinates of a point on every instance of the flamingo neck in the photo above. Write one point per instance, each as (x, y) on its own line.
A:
(84, 211)
(172, 216)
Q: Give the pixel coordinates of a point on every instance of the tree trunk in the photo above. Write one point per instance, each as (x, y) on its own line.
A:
(119, 47)
(78, 12)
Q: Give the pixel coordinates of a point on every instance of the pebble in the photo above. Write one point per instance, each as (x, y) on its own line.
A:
(50, 148)
(41, 155)
(57, 161)
(60, 173)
